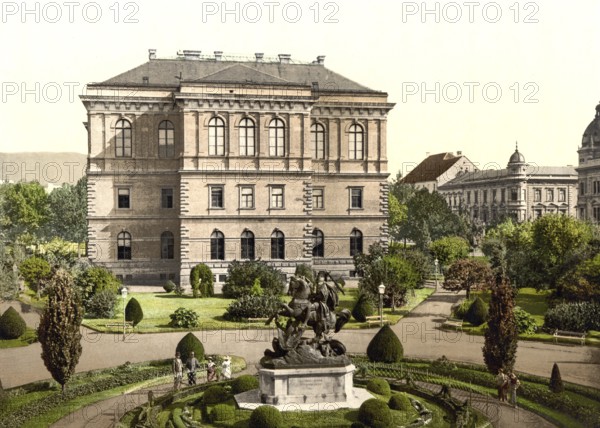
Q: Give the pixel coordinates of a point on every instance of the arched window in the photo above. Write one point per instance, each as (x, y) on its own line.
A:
(277, 245)
(355, 142)
(166, 139)
(123, 139)
(317, 140)
(216, 136)
(247, 137)
(318, 244)
(356, 242)
(247, 245)
(217, 246)
(276, 138)
(124, 246)
(167, 245)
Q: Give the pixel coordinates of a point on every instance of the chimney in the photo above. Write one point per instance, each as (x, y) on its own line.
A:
(218, 55)
(321, 59)
(189, 54)
(458, 153)
(259, 56)
(151, 53)
(284, 58)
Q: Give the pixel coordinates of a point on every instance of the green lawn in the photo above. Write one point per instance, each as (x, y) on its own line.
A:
(29, 337)
(158, 306)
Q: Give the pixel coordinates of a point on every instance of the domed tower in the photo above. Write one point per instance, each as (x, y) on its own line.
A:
(588, 200)
(517, 187)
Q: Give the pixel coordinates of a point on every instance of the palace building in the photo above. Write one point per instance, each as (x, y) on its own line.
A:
(210, 159)
(523, 191)
(589, 171)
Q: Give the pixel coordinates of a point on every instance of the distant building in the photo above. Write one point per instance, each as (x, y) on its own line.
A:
(210, 159)
(522, 191)
(589, 171)
(437, 170)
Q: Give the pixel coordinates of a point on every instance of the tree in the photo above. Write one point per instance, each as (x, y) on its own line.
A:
(556, 384)
(95, 279)
(58, 331)
(399, 277)
(67, 212)
(25, 206)
(397, 214)
(35, 271)
(501, 335)
(449, 248)
(468, 274)
(9, 287)
(581, 285)
(134, 312)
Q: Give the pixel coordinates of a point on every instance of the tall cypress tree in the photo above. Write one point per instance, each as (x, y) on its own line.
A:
(501, 335)
(59, 332)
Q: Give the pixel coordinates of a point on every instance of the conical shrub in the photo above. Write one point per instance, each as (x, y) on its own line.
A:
(190, 343)
(556, 383)
(134, 312)
(12, 325)
(385, 347)
(478, 312)
(362, 309)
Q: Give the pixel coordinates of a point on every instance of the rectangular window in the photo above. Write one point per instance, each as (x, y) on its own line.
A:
(476, 195)
(582, 188)
(123, 200)
(166, 196)
(468, 197)
(356, 197)
(216, 197)
(503, 195)
(562, 195)
(538, 213)
(317, 195)
(537, 195)
(549, 195)
(596, 185)
(596, 213)
(247, 197)
(494, 195)
(277, 197)
(514, 194)
(485, 196)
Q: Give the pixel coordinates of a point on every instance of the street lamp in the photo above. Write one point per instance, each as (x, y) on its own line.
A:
(381, 289)
(435, 263)
(124, 296)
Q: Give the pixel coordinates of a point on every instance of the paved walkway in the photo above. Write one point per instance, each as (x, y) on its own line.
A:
(419, 333)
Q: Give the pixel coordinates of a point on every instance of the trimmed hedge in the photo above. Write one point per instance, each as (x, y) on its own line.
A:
(478, 312)
(252, 307)
(169, 286)
(241, 277)
(201, 280)
(582, 316)
(379, 386)
(362, 309)
(214, 395)
(266, 417)
(222, 412)
(134, 312)
(190, 343)
(375, 413)
(244, 383)
(400, 401)
(385, 347)
(12, 325)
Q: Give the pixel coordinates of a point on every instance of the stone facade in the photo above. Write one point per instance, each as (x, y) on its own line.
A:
(588, 206)
(522, 191)
(205, 159)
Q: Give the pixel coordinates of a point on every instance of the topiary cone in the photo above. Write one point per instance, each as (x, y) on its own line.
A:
(385, 347)
(133, 312)
(556, 384)
(12, 325)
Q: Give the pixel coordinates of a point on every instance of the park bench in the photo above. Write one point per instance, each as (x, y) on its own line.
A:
(257, 319)
(572, 335)
(119, 325)
(374, 319)
(455, 323)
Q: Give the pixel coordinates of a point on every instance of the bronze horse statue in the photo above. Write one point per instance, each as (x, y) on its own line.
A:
(312, 305)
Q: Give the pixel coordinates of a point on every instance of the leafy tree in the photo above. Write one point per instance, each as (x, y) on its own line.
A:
(134, 312)
(362, 261)
(67, 212)
(9, 287)
(59, 329)
(449, 248)
(421, 263)
(556, 383)
(501, 335)
(241, 277)
(397, 214)
(468, 274)
(581, 285)
(25, 207)
(95, 279)
(35, 272)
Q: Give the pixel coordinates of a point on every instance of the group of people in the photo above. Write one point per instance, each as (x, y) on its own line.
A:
(192, 364)
(507, 383)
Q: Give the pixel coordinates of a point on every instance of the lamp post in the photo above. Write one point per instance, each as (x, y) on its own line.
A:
(435, 263)
(381, 289)
(124, 296)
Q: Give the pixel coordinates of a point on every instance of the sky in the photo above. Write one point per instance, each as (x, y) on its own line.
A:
(469, 76)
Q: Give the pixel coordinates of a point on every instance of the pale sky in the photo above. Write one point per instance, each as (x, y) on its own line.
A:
(385, 45)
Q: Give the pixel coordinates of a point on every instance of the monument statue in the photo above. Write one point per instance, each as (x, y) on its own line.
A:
(313, 305)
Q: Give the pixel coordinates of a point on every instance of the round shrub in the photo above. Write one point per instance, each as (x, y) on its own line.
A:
(460, 310)
(190, 343)
(133, 311)
(222, 412)
(214, 394)
(362, 309)
(379, 386)
(478, 312)
(102, 304)
(400, 401)
(375, 413)
(12, 325)
(244, 383)
(183, 317)
(252, 307)
(169, 286)
(385, 347)
(525, 322)
(201, 280)
(266, 417)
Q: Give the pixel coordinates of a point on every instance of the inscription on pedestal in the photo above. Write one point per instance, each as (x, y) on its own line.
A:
(311, 385)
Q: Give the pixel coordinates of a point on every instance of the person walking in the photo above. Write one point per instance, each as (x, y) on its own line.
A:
(501, 384)
(210, 370)
(226, 367)
(513, 385)
(177, 371)
(192, 364)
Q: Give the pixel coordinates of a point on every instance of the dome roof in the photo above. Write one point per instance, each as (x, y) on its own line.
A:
(517, 157)
(591, 135)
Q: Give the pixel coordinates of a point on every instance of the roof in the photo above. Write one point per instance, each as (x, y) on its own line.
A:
(431, 168)
(517, 157)
(532, 171)
(591, 135)
(171, 72)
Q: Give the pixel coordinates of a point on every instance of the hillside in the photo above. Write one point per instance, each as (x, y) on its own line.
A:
(48, 168)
